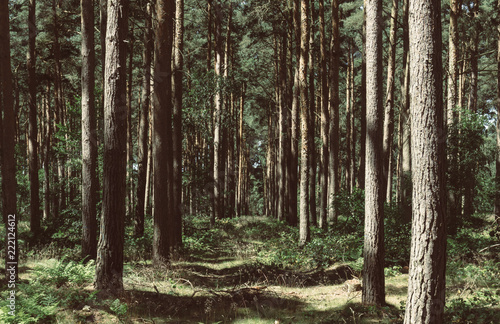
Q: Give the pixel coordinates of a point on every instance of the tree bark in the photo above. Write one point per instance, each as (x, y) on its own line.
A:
(177, 122)
(109, 267)
(304, 124)
(143, 140)
(373, 252)
(162, 133)
(217, 208)
(334, 177)
(323, 177)
(89, 134)
(33, 127)
(9, 183)
(452, 115)
(389, 103)
(426, 284)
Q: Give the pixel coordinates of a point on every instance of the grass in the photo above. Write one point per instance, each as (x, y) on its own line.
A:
(250, 270)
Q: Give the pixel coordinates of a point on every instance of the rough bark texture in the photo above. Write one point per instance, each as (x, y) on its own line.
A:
(33, 127)
(304, 124)
(333, 133)
(177, 122)
(142, 147)
(217, 209)
(452, 115)
(9, 184)
(426, 286)
(323, 177)
(89, 134)
(389, 101)
(162, 132)
(109, 267)
(373, 253)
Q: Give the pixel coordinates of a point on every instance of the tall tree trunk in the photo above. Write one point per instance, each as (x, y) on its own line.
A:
(312, 120)
(47, 152)
(143, 138)
(177, 121)
(323, 178)
(334, 177)
(426, 284)
(304, 124)
(389, 103)
(33, 127)
(282, 128)
(452, 115)
(109, 267)
(162, 133)
(362, 144)
(217, 211)
(130, 147)
(470, 178)
(348, 120)
(239, 192)
(373, 252)
(324, 131)
(9, 184)
(89, 134)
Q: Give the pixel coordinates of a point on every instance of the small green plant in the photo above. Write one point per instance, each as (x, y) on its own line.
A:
(478, 308)
(119, 308)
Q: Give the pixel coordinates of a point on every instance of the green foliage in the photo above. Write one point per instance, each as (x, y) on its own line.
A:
(119, 308)
(55, 285)
(480, 307)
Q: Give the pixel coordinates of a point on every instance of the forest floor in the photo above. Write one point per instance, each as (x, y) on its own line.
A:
(232, 275)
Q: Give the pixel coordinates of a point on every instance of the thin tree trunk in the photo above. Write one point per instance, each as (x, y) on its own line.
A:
(33, 127)
(373, 252)
(323, 178)
(348, 121)
(452, 115)
(130, 148)
(426, 283)
(304, 234)
(89, 134)
(239, 193)
(143, 138)
(312, 121)
(334, 177)
(389, 103)
(109, 266)
(177, 122)
(217, 210)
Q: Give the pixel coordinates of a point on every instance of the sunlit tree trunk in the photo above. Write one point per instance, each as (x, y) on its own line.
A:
(177, 122)
(89, 134)
(333, 166)
(426, 283)
(373, 252)
(109, 266)
(304, 124)
(323, 177)
(452, 115)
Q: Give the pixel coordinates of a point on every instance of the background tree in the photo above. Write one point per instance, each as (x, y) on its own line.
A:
(89, 134)
(426, 283)
(33, 124)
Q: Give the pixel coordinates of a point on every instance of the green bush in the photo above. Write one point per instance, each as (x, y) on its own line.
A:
(478, 308)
